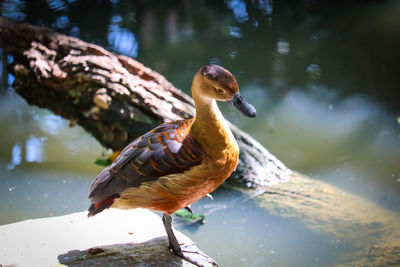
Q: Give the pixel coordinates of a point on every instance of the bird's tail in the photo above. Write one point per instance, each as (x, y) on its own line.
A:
(95, 208)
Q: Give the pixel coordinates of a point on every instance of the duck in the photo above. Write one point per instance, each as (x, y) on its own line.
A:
(178, 162)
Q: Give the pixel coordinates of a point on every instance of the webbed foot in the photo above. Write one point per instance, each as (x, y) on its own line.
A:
(192, 254)
(188, 252)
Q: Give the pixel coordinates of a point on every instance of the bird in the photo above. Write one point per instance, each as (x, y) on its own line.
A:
(179, 162)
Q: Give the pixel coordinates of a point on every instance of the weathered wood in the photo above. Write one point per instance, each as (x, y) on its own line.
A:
(113, 97)
(113, 238)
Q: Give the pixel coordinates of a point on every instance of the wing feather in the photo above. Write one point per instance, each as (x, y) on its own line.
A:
(167, 149)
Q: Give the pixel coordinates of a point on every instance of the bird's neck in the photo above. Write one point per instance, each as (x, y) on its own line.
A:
(209, 126)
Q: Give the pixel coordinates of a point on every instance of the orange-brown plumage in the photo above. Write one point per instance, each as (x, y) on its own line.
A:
(174, 191)
(178, 162)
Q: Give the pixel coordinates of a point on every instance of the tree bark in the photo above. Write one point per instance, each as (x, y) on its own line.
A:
(113, 97)
(116, 99)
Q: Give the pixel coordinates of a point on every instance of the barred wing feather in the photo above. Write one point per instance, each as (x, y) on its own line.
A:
(166, 149)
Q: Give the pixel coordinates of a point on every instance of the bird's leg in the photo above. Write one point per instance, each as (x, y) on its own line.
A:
(208, 196)
(189, 209)
(189, 252)
(173, 242)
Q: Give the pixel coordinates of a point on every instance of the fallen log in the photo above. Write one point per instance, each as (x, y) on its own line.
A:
(116, 98)
(113, 97)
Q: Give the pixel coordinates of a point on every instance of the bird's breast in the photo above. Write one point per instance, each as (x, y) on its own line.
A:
(175, 191)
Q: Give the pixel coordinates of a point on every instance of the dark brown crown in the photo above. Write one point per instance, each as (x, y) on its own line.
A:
(220, 75)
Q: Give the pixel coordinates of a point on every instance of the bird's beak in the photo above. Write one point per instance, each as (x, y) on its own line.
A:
(245, 108)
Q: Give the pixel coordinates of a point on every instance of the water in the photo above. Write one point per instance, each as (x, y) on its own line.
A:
(238, 232)
(323, 77)
(42, 166)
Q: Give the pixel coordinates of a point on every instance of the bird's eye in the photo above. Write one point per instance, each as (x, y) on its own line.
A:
(219, 90)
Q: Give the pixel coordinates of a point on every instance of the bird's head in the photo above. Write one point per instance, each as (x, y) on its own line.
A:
(218, 83)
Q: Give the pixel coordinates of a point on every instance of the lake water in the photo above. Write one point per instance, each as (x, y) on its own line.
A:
(323, 77)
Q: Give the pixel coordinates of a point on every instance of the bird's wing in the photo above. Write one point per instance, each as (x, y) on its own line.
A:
(166, 149)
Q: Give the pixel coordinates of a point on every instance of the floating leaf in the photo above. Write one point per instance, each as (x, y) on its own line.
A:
(188, 217)
(102, 162)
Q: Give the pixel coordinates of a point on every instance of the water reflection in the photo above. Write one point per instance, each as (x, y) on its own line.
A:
(58, 5)
(283, 48)
(314, 72)
(13, 9)
(239, 10)
(266, 6)
(122, 40)
(49, 122)
(36, 136)
(235, 32)
(62, 22)
(348, 142)
(34, 149)
(16, 157)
